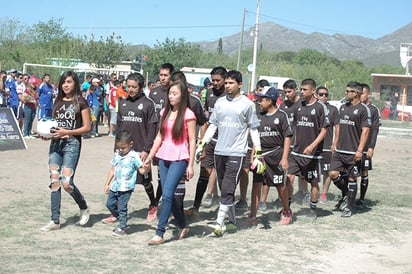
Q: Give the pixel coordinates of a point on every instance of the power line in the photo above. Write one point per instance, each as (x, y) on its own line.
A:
(157, 27)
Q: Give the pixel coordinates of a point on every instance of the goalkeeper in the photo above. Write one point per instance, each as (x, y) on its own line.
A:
(233, 116)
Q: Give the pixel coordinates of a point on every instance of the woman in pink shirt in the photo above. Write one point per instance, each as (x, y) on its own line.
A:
(174, 146)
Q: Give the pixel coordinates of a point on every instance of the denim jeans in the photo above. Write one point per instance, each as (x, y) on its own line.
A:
(117, 205)
(170, 175)
(64, 153)
(29, 114)
(96, 112)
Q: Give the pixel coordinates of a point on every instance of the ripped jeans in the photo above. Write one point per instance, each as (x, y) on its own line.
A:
(63, 158)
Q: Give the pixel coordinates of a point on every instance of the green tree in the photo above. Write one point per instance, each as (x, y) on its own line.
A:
(104, 53)
(177, 52)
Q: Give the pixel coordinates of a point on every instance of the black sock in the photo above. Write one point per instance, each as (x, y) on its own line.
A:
(313, 205)
(200, 190)
(289, 201)
(159, 191)
(340, 183)
(180, 192)
(364, 186)
(148, 187)
(352, 189)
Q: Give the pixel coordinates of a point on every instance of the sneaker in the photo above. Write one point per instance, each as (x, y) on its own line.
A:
(119, 232)
(346, 213)
(112, 135)
(262, 207)
(207, 201)
(344, 203)
(50, 226)
(241, 204)
(360, 204)
(312, 214)
(230, 227)
(84, 215)
(323, 198)
(218, 229)
(109, 220)
(286, 217)
(306, 199)
(152, 214)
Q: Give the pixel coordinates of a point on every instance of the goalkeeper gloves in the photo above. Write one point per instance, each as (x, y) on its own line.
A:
(258, 162)
(199, 150)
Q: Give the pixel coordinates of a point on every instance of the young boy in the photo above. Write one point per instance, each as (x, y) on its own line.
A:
(275, 134)
(121, 179)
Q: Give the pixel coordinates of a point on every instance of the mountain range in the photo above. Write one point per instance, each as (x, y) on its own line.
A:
(274, 37)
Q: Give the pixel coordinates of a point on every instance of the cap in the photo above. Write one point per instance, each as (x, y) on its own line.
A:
(269, 92)
(95, 80)
(206, 82)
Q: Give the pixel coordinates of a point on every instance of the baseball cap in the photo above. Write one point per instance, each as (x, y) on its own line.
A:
(95, 80)
(269, 92)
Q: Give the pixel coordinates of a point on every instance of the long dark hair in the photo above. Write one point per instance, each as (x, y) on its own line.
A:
(76, 92)
(178, 127)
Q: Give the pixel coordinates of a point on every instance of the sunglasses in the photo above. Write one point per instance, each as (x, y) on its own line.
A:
(351, 90)
(321, 94)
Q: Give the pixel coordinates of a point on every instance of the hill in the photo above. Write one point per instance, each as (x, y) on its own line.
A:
(274, 37)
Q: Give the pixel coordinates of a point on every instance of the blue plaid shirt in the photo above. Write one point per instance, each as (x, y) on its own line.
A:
(125, 170)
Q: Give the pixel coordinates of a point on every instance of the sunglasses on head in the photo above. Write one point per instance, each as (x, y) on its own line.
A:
(321, 94)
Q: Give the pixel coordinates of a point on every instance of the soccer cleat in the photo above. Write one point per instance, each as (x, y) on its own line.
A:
(346, 213)
(119, 232)
(84, 215)
(50, 226)
(360, 204)
(312, 214)
(323, 198)
(109, 220)
(241, 204)
(152, 214)
(286, 217)
(207, 201)
(262, 207)
(306, 199)
(218, 229)
(344, 203)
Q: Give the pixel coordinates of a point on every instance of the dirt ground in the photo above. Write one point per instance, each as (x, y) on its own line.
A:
(374, 240)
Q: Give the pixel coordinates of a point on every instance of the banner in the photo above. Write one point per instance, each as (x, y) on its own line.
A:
(10, 134)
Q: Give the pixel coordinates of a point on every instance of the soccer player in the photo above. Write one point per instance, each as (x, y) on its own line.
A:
(233, 116)
(311, 121)
(137, 116)
(275, 134)
(333, 115)
(207, 175)
(370, 144)
(350, 140)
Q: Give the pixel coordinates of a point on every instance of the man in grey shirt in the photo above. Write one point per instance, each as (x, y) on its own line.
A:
(233, 115)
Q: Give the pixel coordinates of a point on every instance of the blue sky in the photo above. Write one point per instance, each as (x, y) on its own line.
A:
(150, 21)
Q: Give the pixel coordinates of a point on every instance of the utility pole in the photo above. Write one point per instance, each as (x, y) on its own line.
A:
(252, 84)
(241, 41)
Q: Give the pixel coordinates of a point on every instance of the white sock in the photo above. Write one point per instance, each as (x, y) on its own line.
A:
(221, 215)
